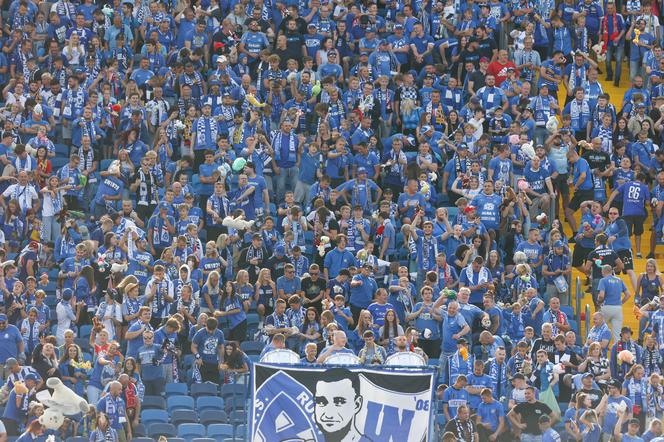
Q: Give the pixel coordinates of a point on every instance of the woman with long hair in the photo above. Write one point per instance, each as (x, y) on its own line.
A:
(635, 387)
(310, 330)
(244, 289)
(266, 293)
(231, 307)
(235, 362)
(52, 206)
(44, 166)
(389, 331)
(73, 374)
(410, 116)
(13, 226)
(210, 292)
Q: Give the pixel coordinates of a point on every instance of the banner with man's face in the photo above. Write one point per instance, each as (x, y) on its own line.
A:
(333, 404)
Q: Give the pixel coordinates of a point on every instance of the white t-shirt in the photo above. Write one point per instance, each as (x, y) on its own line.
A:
(24, 194)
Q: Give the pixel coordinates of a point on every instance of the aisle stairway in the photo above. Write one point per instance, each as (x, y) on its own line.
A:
(616, 94)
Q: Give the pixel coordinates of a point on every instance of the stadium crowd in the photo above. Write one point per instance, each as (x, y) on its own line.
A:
(189, 185)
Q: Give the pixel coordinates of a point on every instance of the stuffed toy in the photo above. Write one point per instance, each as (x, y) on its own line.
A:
(522, 184)
(178, 125)
(552, 124)
(463, 351)
(424, 187)
(20, 388)
(433, 176)
(119, 268)
(62, 402)
(52, 419)
(625, 357)
(514, 139)
(600, 52)
(324, 241)
(528, 151)
(362, 255)
(253, 101)
(238, 223)
(542, 219)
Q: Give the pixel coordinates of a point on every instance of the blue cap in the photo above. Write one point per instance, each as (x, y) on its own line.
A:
(311, 25)
(384, 42)
(558, 243)
(163, 205)
(31, 377)
(398, 26)
(426, 129)
(361, 170)
(67, 294)
(280, 250)
(371, 29)
(462, 146)
(3, 317)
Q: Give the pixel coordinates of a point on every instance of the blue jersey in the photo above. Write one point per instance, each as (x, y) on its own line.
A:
(634, 196)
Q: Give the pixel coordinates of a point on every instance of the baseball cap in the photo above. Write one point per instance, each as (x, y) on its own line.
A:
(11, 362)
(462, 146)
(586, 375)
(163, 205)
(3, 317)
(398, 26)
(371, 29)
(67, 294)
(461, 341)
(280, 250)
(330, 53)
(426, 128)
(557, 244)
(475, 100)
(519, 376)
(484, 60)
(31, 377)
(361, 170)
(311, 25)
(366, 265)
(614, 383)
(384, 42)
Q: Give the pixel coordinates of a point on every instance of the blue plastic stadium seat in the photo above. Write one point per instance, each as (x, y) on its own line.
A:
(179, 417)
(211, 417)
(209, 403)
(204, 389)
(190, 431)
(84, 331)
(203, 439)
(568, 310)
(153, 403)
(142, 439)
(252, 347)
(215, 430)
(158, 429)
(151, 416)
(175, 388)
(139, 430)
(179, 403)
(77, 439)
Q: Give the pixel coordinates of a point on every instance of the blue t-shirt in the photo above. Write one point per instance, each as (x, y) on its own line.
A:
(10, 338)
(491, 413)
(378, 312)
(454, 399)
(450, 326)
(580, 167)
(147, 355)
(208, 344)
(634, 195)
(613, 287)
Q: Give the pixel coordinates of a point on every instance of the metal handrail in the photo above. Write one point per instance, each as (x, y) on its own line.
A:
(577, 295)
(587, 318)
